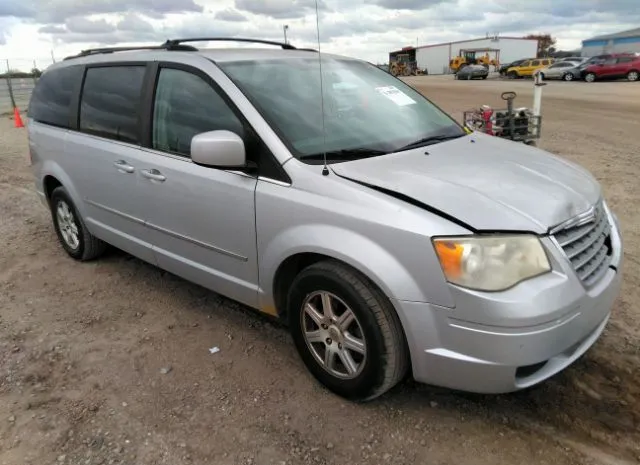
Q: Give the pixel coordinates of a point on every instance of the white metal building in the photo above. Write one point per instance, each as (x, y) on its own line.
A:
(436, 58)
(620, 42)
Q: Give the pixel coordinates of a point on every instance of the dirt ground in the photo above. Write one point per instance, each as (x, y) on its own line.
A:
(108, 362)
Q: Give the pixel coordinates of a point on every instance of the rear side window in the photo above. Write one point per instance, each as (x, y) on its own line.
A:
(535, 63)
(186, 105)
(52, 96)
(110, 104)
(625, 60)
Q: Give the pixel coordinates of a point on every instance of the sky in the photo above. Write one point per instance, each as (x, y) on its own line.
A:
(368, 29)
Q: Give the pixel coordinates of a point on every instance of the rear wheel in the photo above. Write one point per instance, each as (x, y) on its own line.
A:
(346, 331)
(542, 76)
(567, 77)
(633, 76)
(72, 233)
(590, 77)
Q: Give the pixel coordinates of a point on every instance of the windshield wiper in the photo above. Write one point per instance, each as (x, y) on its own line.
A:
(429, 141)
(345, 154)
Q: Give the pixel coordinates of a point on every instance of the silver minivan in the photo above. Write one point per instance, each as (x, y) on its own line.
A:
(393, 241)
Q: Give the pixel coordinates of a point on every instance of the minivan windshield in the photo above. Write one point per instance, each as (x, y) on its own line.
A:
(367, 111)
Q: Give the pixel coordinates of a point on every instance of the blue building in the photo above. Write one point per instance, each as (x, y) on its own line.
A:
(620, 42)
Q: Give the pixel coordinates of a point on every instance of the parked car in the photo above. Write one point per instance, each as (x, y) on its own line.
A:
(527, 68)
(565, 70)
(615, 67)
(472, 72)
(574, 59)
(505, 66)
(481, 265)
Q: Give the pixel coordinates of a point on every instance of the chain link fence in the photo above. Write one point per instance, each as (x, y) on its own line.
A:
(17, 80)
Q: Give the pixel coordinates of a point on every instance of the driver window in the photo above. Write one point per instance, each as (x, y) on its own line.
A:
(186, 105)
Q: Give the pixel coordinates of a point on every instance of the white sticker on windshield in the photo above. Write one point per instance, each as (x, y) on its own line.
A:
(395, 95)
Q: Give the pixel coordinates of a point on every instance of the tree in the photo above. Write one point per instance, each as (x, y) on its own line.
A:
(546, 44)
(35, 72)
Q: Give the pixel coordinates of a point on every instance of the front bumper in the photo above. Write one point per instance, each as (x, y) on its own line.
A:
(507, 341)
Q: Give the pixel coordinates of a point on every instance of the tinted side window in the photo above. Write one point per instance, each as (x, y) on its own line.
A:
(51, 97)
(625, 60)
(535, 63)
(110, 103)
(186, 105)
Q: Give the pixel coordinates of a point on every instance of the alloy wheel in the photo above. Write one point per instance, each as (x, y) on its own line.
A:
(67, 225)
(333, 335)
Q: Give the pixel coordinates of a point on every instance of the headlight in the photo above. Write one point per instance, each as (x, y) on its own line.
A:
(491, 263)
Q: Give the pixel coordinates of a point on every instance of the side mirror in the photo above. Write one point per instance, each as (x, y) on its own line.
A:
(221, 149)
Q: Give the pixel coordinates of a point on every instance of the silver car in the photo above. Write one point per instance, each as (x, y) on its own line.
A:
(391, 240)
(565, 70)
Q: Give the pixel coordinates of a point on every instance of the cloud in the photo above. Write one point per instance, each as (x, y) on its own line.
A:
(406, 4)
(52, 29)
(58, 11)
(16, 9)
(82, 25)
(365, 28)
(280, 9)
(133, 22)
(230, 15)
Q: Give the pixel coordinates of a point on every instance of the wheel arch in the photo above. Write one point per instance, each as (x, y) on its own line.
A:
(54, 176)
(291, 252)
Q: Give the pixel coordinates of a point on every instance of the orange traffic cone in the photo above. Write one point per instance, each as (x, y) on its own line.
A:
(17, 119)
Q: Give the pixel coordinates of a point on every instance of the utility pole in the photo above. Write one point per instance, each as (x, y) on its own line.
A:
(284, 29)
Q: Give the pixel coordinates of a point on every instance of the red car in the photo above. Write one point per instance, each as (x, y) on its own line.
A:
(614, 67)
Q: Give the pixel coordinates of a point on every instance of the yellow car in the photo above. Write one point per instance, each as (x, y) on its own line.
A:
(527, 68)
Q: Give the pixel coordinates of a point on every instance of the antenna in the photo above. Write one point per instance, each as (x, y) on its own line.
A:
(325, 169)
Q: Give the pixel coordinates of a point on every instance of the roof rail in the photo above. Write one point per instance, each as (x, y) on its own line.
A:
(96, 51)
(178, 45)
(172, 43)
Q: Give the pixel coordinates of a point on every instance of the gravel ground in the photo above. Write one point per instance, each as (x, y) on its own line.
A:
(108, 362)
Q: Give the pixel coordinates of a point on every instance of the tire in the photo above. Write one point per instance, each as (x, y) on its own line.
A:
(568, 77)
(590, 77)
(542, 76)
(71, 230)
(375, 324)
(512, 75)
(633, 75)
(484, 77)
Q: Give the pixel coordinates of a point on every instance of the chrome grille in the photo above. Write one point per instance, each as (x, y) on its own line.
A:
(588, 247)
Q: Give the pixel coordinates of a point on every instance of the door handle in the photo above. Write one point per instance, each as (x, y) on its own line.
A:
(153, 174)
(123, 166)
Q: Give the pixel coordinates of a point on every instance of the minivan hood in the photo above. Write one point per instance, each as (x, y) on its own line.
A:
(487, 183)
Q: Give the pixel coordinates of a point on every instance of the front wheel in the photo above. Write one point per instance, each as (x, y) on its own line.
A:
(346, 331)
(512, 75)
(568, 77)
(590, 77)
(633, 76)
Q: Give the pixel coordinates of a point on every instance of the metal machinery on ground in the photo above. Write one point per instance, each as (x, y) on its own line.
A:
(404, 63)
(470, 57)
(518, 124)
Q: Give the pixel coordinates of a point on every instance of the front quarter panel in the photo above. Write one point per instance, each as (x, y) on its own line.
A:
(386, 239)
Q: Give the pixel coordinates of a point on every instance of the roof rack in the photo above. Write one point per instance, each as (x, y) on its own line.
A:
(96, 51)
(170, 44)
(178, 45)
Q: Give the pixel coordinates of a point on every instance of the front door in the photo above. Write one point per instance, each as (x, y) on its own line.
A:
(104, 157)
(202, 219)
